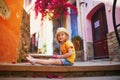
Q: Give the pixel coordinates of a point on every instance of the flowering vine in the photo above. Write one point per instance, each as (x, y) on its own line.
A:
(54, 8)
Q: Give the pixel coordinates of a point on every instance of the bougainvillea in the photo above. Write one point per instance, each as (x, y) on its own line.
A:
(54, 8)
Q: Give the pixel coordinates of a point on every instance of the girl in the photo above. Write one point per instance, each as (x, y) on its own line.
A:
(67, 56)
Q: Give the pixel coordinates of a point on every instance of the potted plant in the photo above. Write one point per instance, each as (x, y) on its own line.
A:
(77, 42)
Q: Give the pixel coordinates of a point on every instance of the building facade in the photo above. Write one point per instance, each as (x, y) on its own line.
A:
(96, 25)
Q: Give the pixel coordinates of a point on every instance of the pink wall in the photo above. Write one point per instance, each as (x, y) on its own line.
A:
(86, 13)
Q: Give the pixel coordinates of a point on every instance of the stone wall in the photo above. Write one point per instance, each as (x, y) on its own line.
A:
(90, 54)
(79, 56)
(24, 41)
(113, 46)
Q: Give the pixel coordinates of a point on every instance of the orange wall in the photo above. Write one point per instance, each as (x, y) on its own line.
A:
(10, 31)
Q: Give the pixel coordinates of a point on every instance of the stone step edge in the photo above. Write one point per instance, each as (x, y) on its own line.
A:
(49, 68)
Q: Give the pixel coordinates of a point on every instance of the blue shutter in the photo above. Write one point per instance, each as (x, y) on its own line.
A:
(74, 24)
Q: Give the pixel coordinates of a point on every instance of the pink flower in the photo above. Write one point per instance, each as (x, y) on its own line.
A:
(59, 8)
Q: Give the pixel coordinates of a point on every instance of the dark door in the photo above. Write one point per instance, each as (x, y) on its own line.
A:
(99, 29)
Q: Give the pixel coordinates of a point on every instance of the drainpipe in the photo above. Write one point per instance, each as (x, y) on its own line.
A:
(80, 31)
(79, 18)
(83, 28)
(114, 21)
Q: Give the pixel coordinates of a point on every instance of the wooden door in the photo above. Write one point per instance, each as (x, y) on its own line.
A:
(99, 30)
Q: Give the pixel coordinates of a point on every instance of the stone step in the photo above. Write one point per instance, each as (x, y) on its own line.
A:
(79, 56)
(77, 70)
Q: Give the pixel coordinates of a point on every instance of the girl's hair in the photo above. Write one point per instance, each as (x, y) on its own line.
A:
(61, 29)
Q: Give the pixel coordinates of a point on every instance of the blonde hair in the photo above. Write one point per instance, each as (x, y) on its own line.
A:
(61, 29)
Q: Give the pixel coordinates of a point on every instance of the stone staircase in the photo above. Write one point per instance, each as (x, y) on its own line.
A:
(79, 69)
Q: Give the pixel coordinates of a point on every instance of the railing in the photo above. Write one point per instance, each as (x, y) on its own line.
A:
(114, 21)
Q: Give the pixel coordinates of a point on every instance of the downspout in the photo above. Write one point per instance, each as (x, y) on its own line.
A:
(83, 28)
(79, 18)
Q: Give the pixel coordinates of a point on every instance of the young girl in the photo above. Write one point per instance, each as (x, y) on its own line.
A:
(67, 56)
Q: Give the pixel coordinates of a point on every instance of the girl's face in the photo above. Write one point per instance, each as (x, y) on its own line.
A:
(61, 37)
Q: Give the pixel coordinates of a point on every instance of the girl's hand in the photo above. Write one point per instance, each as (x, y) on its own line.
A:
(55, 56)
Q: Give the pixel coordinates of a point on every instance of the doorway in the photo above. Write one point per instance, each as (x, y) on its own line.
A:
(99, 32)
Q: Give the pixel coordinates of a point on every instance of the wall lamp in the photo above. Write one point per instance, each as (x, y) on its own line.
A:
(83, 3)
